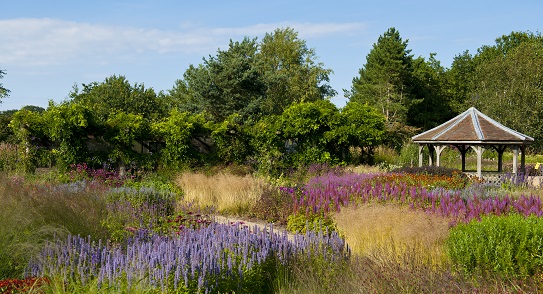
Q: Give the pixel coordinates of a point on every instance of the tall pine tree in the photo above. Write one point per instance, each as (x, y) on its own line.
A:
(385, 79)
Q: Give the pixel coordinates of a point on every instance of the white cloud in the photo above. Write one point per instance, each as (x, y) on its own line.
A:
(43, 42)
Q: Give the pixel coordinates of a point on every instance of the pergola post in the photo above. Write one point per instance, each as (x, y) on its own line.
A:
(431, 154)
(420, 154)
(523, 159)
(439, 149)
(463, 150)
(479, 150)
(515, 159)
(500, 149)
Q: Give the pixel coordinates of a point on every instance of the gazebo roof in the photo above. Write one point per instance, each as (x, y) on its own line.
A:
(472, 127)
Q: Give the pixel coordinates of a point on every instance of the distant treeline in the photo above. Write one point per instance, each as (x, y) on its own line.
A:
(267, 103)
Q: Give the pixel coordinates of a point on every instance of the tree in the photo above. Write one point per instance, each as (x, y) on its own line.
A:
(225, 84)
(385, 79)
(254, 79)
(3, 91)
(430, 105)
(291, 72)
(359, 126)
(510, 88)
(305, 125)
(116, 94)
(460, 82)
(6, 133)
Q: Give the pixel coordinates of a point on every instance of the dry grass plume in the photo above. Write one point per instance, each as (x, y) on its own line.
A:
(374, 228)
(228, 193)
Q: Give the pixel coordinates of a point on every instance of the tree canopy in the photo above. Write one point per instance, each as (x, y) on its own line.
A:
(384, 81)
(254, 79)
(3, 91)
(266, 103)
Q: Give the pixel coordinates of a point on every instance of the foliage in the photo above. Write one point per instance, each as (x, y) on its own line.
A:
(431, 170)
(359, 126)
(302, 222)
(177, 132)
(505, 73)
(6, 133)
(231, 140)
(67, 127)
(29, 129)
(254, 79)
(508, 245)
(384, 81)
(304, 125)
(431, 105)
(268, 145)
(115, 94)
(3, 91)
(123, 129)
(290, 72)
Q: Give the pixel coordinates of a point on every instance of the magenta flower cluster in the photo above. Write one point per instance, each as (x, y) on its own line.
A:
(326, 194)
(216, 258)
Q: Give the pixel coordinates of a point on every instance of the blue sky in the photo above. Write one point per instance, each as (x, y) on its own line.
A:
(48, 46)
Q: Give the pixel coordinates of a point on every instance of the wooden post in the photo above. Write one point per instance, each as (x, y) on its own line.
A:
(431, 155)
(420, 154)
(463, 150)
(500, 149)
(523, 159)
(479, 150)
(515, 159)
(439, 149)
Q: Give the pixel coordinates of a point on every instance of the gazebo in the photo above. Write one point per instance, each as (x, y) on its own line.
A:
(473, 129)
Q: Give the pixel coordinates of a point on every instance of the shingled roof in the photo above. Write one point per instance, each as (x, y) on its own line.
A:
(472, 127)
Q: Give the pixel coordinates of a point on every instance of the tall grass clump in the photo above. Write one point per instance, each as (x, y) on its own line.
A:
(130, 209)
(32, 215)
(228, 193)
(396, 229)
(509, 245)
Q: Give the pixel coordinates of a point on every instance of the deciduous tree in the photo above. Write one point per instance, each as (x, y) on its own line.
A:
(3, 91)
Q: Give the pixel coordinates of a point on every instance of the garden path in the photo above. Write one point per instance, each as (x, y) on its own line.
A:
(252, 223)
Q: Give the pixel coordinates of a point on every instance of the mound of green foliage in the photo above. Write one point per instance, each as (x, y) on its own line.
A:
(506, 245)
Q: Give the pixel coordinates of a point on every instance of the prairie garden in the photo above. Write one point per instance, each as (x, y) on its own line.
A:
(321, 229)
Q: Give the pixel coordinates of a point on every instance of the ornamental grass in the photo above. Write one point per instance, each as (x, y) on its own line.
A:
(228, 193)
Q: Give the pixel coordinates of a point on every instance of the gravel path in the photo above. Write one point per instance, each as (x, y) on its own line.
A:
(251, 224)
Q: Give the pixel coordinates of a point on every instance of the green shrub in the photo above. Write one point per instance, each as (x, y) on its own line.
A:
(302, 222)
(506, 245)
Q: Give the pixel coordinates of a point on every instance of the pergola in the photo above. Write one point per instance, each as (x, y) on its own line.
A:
(473, 129)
